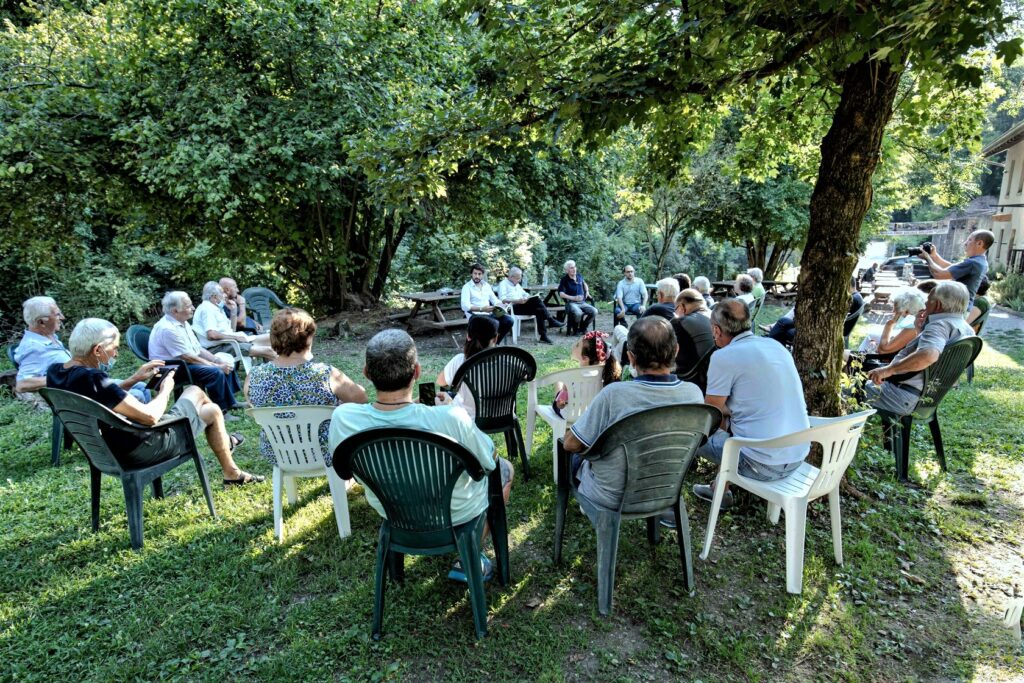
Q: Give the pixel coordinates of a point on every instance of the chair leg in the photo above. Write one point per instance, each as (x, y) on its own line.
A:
(531, 424)
(291, 489)
(653, 534)
(396, 566)
(521, 445)
(716, 505)
(561, 499)
(499, 527)
(94, 490)
(201, 471)
(683, 534)
(56, 441)
(970, 373)
(133, 506)
(383, 544)
(339, 496)
(607, 528)
(773, 513)
(278, 512)
(796, 530)
(940, 453)
(158, 487)
(469, 553)
(837, 525)
(906, 425)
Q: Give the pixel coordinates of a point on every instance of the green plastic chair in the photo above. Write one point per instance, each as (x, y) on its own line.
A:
(85, 418)
(137, 339)
(412, 473)
(60, 439)
(659, 445)
(978, 326)
(939, 378)
(494, 376)
(257, 302)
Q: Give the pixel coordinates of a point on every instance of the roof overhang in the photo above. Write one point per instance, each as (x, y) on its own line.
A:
(1005, 141)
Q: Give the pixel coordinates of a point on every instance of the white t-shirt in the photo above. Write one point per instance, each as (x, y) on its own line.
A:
(465, 397)
(764, 392)
(209, 316)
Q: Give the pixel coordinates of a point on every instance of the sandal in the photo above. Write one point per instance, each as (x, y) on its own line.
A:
(244, 479)
(237, 439)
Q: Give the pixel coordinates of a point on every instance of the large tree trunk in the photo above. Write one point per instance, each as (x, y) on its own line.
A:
(842, 195)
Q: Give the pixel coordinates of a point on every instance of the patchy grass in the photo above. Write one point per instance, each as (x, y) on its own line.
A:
(927, 574)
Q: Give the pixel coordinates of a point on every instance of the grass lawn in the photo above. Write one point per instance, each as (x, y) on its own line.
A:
(928, 572)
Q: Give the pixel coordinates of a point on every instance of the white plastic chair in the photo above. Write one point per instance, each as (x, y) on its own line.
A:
(838, 437)
(517, 322)
(293, 433)
(583, 385)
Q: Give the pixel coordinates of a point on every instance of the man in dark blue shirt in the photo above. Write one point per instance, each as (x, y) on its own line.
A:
(969, 271)
(573, 291)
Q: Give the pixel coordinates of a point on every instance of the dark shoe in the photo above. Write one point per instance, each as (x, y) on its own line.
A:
(703, 491)
(246, 478)
(555, 322)
(237, 439)
(667, 519)
(545, 340)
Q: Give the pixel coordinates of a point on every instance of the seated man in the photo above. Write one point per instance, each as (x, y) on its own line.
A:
(943, 323)
(213, 328)
(479, 299)
(668, 290)
(573, 290)
(757, 275)
(630, 296)
(784, 329)
(754, 382)
(393, 367)
(511, 293)
(981, 305)
(703, 285)
(744, 289)
(651, 349)
(94, 347)
(173, 339)
(693, 330)
(234, 308)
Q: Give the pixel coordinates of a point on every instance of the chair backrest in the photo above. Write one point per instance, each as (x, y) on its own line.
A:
(294, 434)
(412, 473)
(583, 384)
(257, 302)
(494, 376)
(699, 373)
(851, 320)
(978, 325)
(84, 418)
(659, 444)
(10, 354)
(941, 375)
(755, 309)
(137, 338)
(839, 437)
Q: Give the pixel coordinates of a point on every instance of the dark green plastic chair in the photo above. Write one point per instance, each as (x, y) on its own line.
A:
(939, 378)
(978, 325)
(850, 322)
(84, 418)
(137, 338)
(494, 376)
(412, 473)
(698, 374)
(659, 445)
(755, 310)
(257, 302)
(59, 438)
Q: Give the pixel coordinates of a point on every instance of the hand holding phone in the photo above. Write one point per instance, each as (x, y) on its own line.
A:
(157, 379)
(427, 393)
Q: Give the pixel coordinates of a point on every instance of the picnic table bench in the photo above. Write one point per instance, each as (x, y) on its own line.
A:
(441, 309)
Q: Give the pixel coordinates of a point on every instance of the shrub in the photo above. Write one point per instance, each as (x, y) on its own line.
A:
(1009, 291)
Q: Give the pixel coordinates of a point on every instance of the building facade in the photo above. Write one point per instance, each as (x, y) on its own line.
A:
(1008, 219)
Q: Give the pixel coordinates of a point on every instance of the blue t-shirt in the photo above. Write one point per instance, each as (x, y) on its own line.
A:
(571, 287)
(969, 273)
(98, 386)
(36, 353)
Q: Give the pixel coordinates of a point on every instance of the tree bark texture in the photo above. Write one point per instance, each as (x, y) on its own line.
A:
(841, 197)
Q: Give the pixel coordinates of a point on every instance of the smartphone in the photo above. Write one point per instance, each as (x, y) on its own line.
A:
(427, 393)
(155, 380)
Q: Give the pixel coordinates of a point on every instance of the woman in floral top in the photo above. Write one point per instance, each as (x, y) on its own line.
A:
(294, 378)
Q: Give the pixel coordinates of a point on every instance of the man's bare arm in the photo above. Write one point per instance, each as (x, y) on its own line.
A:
(30, 384)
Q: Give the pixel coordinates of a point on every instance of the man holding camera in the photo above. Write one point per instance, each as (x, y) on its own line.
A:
(968, 272)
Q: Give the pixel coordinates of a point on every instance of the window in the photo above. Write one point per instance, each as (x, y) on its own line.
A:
(1020, 185)
(1009, 178)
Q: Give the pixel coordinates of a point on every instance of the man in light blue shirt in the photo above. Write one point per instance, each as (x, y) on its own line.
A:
(39, 347)
(393, 367)
(630, 296)
(754, 382)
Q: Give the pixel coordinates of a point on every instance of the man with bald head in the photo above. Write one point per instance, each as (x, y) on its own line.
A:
(234, 308)
(511, 292)
(967, 272)
(754, 382)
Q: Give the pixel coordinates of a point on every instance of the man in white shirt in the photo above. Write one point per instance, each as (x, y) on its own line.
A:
(214, 330)
(754, 382)
(173, 339)
(511, 292)
(479, 299)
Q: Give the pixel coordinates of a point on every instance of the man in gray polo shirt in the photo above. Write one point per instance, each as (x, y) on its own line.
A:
(754, 382)
(943, 320)
(630, 296)
(651, 348)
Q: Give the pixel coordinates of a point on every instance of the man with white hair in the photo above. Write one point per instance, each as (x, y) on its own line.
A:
(757, 275)
(173, 339)
(511, 293)
(39, 347)
(234, 308)
(668, 290)
(214, 330)
(703, 285)
(94, 345)
(943, 323)
(573, 290)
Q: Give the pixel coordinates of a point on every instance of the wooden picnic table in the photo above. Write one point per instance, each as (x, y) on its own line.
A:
(780, 289)
(428, 310)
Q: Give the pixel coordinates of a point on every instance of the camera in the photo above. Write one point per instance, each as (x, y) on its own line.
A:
(914, 251)
(925, 247)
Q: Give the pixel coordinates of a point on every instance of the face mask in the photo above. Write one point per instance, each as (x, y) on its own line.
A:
(108, 366)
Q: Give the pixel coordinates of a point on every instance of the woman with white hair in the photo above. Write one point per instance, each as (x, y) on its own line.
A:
(899, 330)
(757, 275)
(703, 285)
(94, 346)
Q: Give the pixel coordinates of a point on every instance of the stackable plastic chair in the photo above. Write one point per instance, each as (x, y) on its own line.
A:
(517, 326)
(583, 385)
(939, 378)
(59, 438)
(838, 437)
(84, 417)
(850, 322)
(494, 376)
(257, 302)
(137, 338)
(294, 434)
(659, 445)
(978, 325)
(755, 310)
(412, 473)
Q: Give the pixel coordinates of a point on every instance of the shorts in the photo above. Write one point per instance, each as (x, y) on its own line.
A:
(506, 471)
(164, 445)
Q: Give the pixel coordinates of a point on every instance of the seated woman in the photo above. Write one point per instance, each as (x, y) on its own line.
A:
(898, 330)
(981, 305)
(589, 351)
(295, 379)
(94, 345)
(481, 334)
